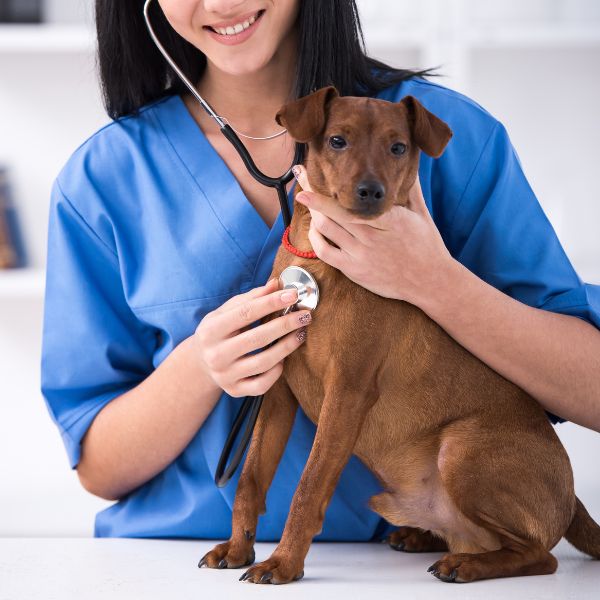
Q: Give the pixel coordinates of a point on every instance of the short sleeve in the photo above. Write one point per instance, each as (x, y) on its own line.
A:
(500, 232)
(93, 346)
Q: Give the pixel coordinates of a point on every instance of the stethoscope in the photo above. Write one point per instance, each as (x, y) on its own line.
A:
(293, 277)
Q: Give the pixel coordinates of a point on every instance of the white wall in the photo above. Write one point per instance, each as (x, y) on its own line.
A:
(49, 104)
(535, 65)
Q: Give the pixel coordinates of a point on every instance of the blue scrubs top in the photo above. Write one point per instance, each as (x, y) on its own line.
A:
(149, 231)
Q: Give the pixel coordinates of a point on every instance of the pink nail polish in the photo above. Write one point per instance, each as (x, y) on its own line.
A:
(296, 171)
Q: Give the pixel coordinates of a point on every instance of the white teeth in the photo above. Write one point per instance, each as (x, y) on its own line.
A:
(235, 29)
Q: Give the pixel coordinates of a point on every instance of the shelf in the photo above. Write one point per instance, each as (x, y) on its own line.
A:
(22, 283)
(46, 38)
(534, 36)
(81, 38)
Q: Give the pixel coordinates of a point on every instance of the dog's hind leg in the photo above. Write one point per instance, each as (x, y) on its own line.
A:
(413, 539)
(530, 559)
(271, 433)
(525, 504)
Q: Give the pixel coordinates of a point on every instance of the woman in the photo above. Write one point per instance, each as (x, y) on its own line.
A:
(160, 243)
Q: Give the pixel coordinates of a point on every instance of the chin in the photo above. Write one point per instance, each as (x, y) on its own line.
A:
(245, 64)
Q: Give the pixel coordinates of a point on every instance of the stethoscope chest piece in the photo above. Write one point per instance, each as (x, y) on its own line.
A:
(300, 279)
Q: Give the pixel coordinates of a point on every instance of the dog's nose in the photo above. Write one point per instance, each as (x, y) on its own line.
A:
(370, 192)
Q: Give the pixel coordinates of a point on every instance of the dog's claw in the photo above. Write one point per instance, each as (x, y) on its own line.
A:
(399, 546)
(222, 564)
(446, 578)
(267, 576)
(431, 568)
(202, 562)
(244, 576)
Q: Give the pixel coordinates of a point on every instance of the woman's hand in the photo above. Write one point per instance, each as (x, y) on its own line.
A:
(223, 340)
(397, 255)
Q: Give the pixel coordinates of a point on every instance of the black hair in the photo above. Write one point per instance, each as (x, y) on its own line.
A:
(133, 72)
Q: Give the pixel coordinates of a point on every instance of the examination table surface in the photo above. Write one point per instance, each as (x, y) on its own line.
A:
(131, 569)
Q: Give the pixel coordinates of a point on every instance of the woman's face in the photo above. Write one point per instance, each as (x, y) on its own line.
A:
(259, 28)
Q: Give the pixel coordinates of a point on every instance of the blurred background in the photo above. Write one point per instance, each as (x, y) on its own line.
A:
(534, 64)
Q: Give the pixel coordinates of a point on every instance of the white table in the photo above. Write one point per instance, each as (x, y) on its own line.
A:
(131, 569)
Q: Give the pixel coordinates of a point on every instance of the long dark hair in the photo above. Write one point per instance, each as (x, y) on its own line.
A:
(133, 72)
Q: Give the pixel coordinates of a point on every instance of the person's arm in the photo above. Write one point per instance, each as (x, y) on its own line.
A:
(97, 372)
(487, 289)
(121, 419)
(137, 434)
(553, 357)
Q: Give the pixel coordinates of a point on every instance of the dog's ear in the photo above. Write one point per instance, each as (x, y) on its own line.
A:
(305, 118)
(429, 132)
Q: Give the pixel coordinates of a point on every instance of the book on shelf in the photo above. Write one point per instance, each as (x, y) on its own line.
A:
(12, 254)
(21, 11)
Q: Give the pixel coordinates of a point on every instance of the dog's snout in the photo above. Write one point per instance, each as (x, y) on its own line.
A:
(370, 191)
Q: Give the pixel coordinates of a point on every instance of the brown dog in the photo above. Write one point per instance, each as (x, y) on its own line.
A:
(452, 466)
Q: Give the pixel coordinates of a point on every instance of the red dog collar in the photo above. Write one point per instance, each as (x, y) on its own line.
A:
(288, 246)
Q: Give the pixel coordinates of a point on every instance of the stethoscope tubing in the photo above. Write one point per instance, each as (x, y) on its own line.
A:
(251, 405)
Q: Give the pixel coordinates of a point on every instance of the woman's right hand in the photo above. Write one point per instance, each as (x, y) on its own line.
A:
(223, 340)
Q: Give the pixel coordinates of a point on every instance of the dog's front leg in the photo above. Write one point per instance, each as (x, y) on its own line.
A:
(340, 421)
(271, 433)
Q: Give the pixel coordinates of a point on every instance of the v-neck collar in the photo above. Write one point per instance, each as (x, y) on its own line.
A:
(230, 205)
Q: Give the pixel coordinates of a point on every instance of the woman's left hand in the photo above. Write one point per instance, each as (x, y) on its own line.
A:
(399, 254)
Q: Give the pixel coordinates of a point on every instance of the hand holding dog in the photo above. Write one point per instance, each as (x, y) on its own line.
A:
(399, 254)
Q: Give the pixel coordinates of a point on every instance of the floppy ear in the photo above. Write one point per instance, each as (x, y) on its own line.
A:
(430, 133)
(305, 118)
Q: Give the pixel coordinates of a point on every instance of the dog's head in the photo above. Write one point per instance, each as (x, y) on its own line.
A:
(363, 152)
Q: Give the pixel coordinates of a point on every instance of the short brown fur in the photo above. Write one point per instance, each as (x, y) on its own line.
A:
(469, 461)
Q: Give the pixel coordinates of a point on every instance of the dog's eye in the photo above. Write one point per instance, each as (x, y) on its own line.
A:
(337, 142)
(398, 148)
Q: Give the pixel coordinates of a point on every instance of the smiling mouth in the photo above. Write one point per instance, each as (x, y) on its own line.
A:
(233, 30)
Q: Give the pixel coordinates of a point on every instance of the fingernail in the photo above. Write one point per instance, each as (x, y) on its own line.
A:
(288, 296)
(270, 281)
(302, 197)
(301, 334)
(296, 170)
(305, 318)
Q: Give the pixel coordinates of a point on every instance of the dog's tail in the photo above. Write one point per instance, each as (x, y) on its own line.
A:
(584, 532)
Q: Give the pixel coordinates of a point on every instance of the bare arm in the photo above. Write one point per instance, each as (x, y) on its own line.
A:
(554, 357)
(136, 435)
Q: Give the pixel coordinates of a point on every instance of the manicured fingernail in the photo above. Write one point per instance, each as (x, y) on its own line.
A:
(305, 318)
(301, 334)
(296, 170)
(288, 296)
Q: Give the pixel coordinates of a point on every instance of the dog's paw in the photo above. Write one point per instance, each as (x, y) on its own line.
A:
(455, 568)
(412, 539)
(273, 570)
(227, 556)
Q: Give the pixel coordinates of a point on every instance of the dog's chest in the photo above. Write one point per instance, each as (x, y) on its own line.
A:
(347, 345)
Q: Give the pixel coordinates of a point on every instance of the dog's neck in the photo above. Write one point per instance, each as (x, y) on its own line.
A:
(299, 227)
